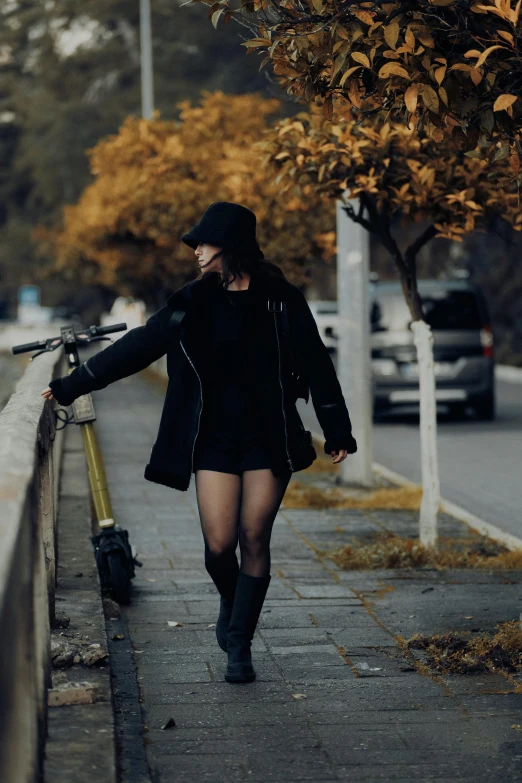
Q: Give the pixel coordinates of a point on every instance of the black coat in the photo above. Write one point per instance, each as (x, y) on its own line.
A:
(178, 329)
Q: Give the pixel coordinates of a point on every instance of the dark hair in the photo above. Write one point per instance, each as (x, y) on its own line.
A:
(234, 262)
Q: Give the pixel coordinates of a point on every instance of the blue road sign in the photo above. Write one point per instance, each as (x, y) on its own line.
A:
(29, 295)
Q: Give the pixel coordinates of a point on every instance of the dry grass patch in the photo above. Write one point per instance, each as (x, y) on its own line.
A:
(463, 654)
(301, 495)
(387, 550)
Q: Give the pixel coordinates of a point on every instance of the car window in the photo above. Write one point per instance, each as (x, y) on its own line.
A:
(442, 309)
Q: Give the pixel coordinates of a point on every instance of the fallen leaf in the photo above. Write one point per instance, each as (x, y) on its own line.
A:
(173, 623)
(299, 695)
(468, 617)
(118, 637)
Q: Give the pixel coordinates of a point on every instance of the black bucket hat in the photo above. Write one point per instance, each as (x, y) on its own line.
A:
(226, 225)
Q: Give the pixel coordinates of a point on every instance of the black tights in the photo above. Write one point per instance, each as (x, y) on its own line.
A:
(238, 509)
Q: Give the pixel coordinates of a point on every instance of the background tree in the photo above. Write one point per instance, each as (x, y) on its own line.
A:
(420, 62)
(69, 76)
(153, 181)
(392, 172)
(451, 68)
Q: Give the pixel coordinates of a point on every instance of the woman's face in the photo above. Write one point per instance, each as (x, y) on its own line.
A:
(209, 257)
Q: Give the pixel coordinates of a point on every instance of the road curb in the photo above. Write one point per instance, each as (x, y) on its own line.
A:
(447, 507)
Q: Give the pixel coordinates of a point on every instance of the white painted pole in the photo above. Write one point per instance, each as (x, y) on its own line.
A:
(423, 339)
(147, 91)
(354, 349)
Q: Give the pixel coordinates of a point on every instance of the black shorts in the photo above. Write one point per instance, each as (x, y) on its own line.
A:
(227, 457)
(229, 439)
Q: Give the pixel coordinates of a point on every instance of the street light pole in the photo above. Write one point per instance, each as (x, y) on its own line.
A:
(147, 90)
(354, 350)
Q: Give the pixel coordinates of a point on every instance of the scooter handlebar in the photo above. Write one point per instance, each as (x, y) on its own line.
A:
(93, 331)
(111, 328)
(28, 346)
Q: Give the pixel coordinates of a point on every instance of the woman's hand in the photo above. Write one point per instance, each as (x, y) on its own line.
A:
(47, 393)
(338, 456)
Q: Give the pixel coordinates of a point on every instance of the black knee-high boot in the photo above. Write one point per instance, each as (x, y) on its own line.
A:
(248, 602)
(223, 570)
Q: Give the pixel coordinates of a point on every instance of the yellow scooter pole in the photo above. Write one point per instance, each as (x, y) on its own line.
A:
(84, 415)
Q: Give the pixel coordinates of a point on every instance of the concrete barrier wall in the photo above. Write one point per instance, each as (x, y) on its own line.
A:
(30, 452)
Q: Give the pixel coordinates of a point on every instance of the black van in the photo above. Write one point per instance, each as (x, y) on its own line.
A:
(463, 347)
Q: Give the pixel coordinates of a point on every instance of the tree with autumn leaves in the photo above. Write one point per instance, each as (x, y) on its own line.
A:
(449, 68)
(393, 173)
(154, 179)
(421, 117)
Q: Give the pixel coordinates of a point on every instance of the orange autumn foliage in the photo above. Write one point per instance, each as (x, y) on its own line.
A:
(154, 179)
(387, 163)
(450, 68)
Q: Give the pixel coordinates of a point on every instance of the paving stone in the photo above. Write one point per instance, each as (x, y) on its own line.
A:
(227, 716)
(292, 636)
(312, 714)
(80, 744)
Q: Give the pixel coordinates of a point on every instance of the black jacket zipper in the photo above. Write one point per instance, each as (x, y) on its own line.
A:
(289, 460)
(201, 401)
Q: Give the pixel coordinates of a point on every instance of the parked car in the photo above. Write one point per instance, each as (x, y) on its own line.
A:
(463, 346)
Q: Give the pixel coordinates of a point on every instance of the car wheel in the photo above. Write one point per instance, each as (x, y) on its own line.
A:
(485, 406)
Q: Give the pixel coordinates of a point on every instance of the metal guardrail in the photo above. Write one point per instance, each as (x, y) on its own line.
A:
(30, 452)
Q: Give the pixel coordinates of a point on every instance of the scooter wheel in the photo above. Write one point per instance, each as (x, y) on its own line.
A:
(119, 578)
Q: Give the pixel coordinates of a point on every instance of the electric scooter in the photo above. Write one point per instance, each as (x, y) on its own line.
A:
(112, 550)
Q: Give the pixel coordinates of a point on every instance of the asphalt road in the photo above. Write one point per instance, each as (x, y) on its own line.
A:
(480, 463)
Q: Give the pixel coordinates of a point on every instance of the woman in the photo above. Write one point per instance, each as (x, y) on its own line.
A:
(241, 346)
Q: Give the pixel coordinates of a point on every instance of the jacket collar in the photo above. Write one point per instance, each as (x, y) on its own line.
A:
(268, 281)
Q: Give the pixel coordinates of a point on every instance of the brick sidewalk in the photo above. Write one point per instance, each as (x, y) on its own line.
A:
(334, 699)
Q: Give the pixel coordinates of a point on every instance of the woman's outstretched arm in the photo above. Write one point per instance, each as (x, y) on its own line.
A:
(133, 352)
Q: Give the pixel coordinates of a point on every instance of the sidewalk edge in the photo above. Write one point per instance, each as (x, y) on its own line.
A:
(476, 523)
(447, 507)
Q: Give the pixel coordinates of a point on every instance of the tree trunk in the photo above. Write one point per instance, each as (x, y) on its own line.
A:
(423, 339)
(379, 223)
